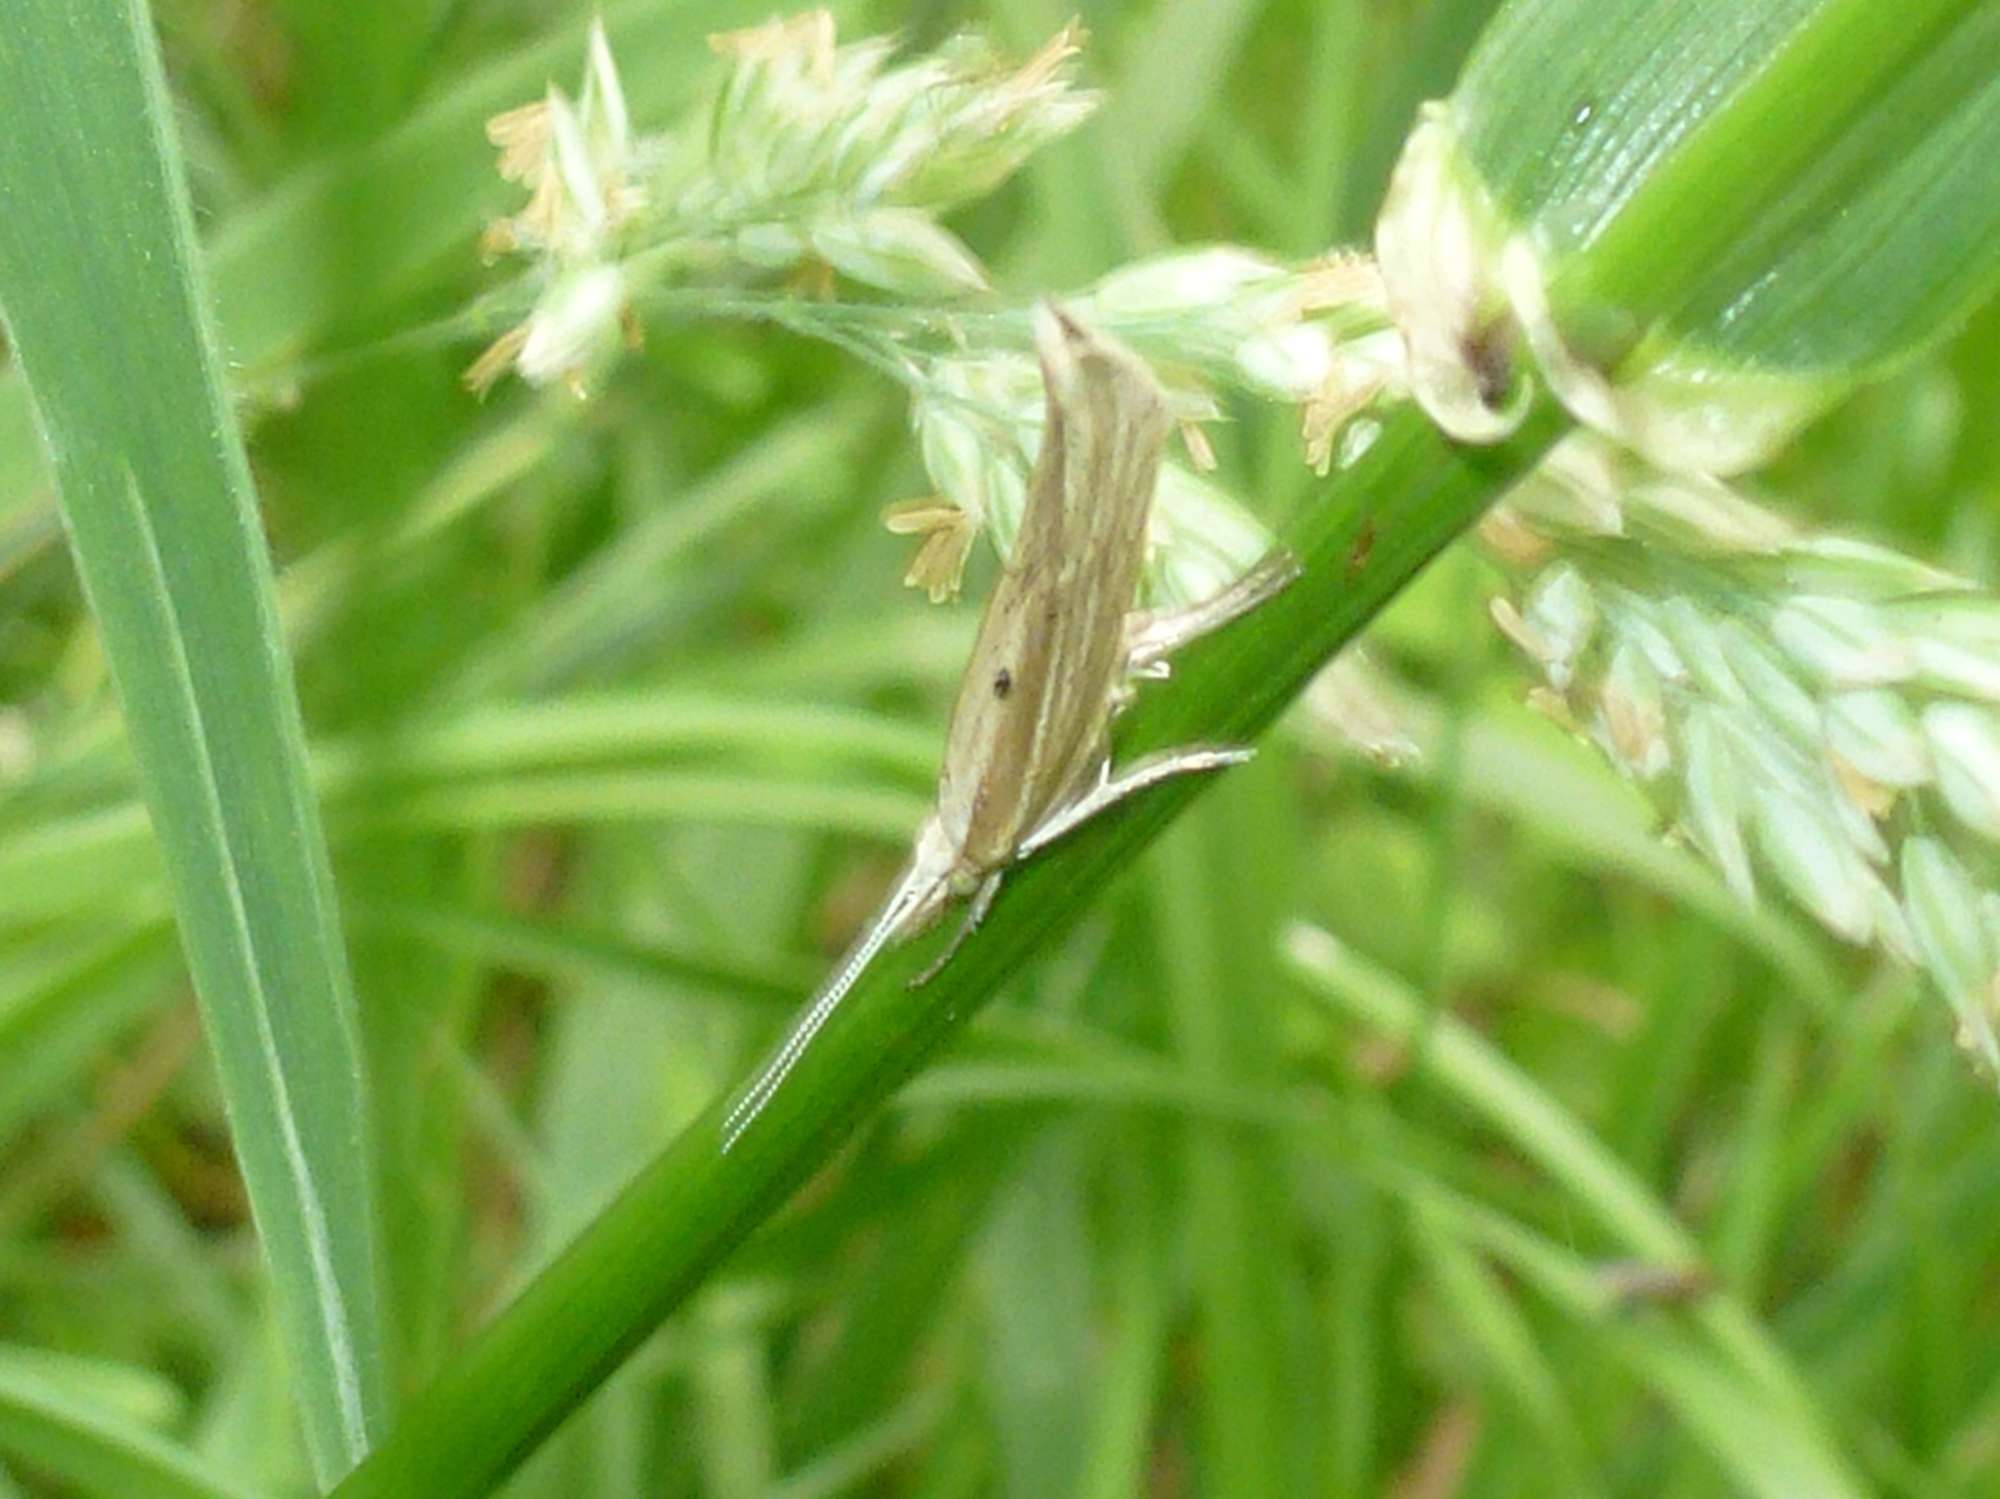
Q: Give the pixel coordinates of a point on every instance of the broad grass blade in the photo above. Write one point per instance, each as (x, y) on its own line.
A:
(98, 282)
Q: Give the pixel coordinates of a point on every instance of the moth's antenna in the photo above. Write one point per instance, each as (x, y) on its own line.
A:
(918, 887)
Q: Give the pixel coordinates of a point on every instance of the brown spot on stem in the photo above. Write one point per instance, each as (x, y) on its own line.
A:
(1363, 547)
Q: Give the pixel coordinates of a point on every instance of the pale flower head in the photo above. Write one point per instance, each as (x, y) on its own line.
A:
(576, 325)
(583, 173)
(578, 162)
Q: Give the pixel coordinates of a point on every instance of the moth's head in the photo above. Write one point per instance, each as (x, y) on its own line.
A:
(1061, 345)
(1084, 367)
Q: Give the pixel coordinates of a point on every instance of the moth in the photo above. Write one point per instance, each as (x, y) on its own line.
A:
(1028, 754)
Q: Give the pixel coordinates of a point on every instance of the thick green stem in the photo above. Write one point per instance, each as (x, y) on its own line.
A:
(1377, 524)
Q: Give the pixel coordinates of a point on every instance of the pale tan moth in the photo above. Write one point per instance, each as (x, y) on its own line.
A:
(1028, 754)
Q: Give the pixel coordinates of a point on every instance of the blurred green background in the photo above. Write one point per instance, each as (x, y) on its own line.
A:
(1563, 1174)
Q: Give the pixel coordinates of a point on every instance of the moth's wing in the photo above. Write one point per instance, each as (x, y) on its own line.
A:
(1115, 422)
(1031, 712)
(989, 749)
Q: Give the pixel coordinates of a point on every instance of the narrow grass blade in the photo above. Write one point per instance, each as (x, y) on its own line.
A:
(1034, 1269)
(840, 1469)
(98, 281)
(1494, 1326)
(1770, 1453)
(856, 1380)
(55, 870)
(1584, 814)
(61, 1003)
(1172, 81)
(1466, 1067)
(1125, 1392)
(47, 1419)
(1220, 884)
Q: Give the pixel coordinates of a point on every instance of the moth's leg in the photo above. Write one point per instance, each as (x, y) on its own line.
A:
(975, 913)
(1152, 636)
(1106, 791)
(1137, 776)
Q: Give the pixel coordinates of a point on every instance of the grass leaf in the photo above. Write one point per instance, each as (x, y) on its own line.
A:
(1467, 1068)
(99, 284)
(63, 1416)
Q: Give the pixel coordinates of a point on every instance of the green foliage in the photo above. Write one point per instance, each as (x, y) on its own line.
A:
(1872, 132)
(1416, 1122)
(100, 285)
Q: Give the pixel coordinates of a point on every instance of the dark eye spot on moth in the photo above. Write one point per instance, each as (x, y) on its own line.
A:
(1003, 682)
